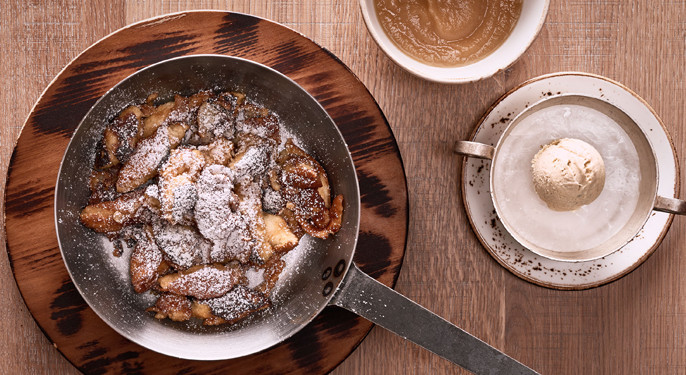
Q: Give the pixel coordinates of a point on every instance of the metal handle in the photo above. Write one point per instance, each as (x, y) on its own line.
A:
(376, 302)
(474, 149)
(670, 205)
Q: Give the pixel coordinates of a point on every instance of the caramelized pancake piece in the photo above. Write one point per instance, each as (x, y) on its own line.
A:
(290, 150)
(289, 217)
(229, 101)
(183, 161)
(123, 131)
(204, 281)
(278, 234)
(177, 182)
(301, 172)
(120, 136)
(196, 100)
(240, 97)
(334, 225)
(307, 192)
(111, 144)
(146, 263)
(101, 184)
(152, 199)
(325, 190)
(172, 306)
(220, 151)
(112, 216)
(156, 119)
(220, 215)
(215, 210)
(247, 110)
(250, 210)
(203, 311)
(252, 156)
(214, 122)
(272, 271)
(274, 177)
(309, 206)
(183, 246)
(143, 163)
(306, 186)
(237, 304)
(264, 125)
(272, 201)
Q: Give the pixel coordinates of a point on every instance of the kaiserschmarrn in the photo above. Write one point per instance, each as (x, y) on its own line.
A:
(205, 188)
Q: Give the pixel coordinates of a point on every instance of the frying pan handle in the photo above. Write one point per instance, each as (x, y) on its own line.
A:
(670, 205)
(376, 302)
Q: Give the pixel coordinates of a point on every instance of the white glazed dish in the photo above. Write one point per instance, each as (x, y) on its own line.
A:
(598, 228)
(517, 258)
(533, 16)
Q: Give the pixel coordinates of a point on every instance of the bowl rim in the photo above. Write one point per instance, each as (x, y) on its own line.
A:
(452, 74)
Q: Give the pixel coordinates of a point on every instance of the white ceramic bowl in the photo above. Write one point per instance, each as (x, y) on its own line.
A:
(529, 24)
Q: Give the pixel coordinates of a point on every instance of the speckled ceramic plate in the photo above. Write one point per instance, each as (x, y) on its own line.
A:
(521, 261)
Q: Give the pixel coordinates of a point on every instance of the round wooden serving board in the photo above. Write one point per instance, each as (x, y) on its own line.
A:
(40, 273)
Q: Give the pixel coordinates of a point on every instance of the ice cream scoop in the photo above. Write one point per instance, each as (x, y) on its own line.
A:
(567, 174)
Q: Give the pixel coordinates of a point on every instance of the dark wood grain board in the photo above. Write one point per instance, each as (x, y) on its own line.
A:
(43, 280)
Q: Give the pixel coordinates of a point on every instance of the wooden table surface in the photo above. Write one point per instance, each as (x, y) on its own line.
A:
(634, 325)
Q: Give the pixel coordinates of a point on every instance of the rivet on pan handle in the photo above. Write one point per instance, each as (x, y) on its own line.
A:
(670, 205)
(474, 149)
(376, 302)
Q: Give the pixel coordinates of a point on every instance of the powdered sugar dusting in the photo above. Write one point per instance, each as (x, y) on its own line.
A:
(234, 304)
(255, 277)
(206, 282)
(213, 120)
(183, 246)
(209, 173)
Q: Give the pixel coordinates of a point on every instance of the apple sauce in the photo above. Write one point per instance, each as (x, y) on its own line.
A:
(448, 33)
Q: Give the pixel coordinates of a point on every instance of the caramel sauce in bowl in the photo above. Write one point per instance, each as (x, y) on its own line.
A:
(454, 41)
(448, 32)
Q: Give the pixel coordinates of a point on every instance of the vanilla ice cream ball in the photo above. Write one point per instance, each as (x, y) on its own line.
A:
(567, 174)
